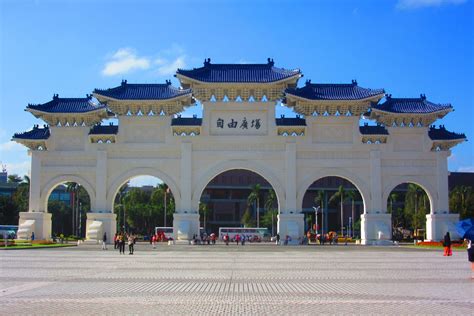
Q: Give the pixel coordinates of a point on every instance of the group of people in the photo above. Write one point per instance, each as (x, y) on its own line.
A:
(449, 252)
(119, 242)
(204, 239)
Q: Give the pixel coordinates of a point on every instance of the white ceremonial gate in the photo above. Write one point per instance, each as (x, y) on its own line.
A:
(239, 130)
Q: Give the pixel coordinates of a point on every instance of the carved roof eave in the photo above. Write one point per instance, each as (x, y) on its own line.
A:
(33, 144)
(168, 106)
(88, 118)
(425, 119)
(382, 138)
(95, 138)
(446, 144)
(298, 130)
(205, 90)
(178, 130)
(308, 107)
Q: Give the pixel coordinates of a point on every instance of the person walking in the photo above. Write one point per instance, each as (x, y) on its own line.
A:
(115, 241)
(278, 239)
(104, 241)
(153, 241)
(447, 245)
(131, 242)
(237, 239)
(226, 239)
(121, 243)
(32, 236)
(470, 256)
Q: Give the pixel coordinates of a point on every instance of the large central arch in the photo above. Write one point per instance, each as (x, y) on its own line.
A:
(135, 172)
(332, 172)
(214, 170)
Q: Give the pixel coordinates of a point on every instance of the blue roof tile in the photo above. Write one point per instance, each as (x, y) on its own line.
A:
(67, 105)
(143, 91)
(330, 91)
(186, 121)
(104, 130)
(442, 134)
(373, 130)
(290, 121)
(35, 133)
(239, 73)
(410, 105)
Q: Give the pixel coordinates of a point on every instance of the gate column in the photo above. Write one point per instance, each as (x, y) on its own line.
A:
(290, 223)
(439, 221)
(376, 226)
(101, 220)
(185, 221)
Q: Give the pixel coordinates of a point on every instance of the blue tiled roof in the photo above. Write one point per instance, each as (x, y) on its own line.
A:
(67, 105)
(35, 133)
(143, 91)
(290, 121)
(373, 130)
(186, 121)
(330, 91)
(442, 134)
(410, 105)
(239, 73)
(103, 130)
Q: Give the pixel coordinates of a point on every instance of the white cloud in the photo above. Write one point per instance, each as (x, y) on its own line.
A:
(11, 146)
(417, 4)
(124, 61)
(169, 67)
(19, 168)
(466, 169)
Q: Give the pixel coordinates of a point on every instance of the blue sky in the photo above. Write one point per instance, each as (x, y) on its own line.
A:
(407, 47)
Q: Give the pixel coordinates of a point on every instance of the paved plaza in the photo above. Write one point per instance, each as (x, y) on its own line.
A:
(254, 279)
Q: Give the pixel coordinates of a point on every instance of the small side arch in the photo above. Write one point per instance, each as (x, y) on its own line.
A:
(332, 172)
(51, 184)
(214, 170)
(423, 183)
(144, 171)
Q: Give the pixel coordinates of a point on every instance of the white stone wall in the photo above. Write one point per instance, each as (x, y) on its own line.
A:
(331, 146)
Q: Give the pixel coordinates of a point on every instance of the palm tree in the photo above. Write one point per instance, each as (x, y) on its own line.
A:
(73, 187)
(463, 192)
(120, 198)
(270, 205)
(353, 195)
(319, 199)
(254, 197)
(413, 193)
(340, 194)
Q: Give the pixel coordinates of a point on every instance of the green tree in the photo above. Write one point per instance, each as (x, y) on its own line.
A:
(204, 212)
(14, 178)
(340, 195)
(461, 200)
(415, 207)
(247, 219)
(8, 211)
(353, 195)
(254, 198)
(271, 211)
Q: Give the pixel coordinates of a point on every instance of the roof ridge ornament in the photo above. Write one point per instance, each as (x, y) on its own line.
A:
(124, 82)
(308, 82)
(207, 62)
(168, 82)
(423, 96)
(89, 96)
(270, 62)
(388, 96)
(55, 96)
(354, 82)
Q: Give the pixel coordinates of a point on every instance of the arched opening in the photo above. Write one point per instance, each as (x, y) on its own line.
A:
(333, 204)
(238, 198)
(68, 203)
(143, 203)
(408, 203)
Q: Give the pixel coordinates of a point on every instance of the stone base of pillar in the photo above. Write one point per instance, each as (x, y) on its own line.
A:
(291, 225)
(437, 225)
(37, 222)
(99, 223)
(376, 229)
(185, 226)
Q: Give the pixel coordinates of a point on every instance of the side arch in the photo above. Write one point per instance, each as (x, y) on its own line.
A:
(423, 183)
(332, 172)
(51, 184)
(145, 171)
(214, 170)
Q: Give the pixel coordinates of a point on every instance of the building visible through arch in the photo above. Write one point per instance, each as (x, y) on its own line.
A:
(239, 130)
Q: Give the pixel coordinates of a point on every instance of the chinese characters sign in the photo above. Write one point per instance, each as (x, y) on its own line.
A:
(238, 123)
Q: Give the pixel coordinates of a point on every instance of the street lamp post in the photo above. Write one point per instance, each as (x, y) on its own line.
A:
(164, 216)
(316, 210)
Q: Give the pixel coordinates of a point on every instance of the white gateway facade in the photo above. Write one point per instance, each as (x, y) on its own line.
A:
(239, 130)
